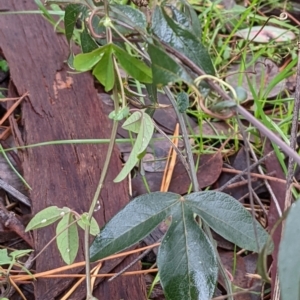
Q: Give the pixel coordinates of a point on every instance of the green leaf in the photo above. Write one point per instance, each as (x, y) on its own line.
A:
(182, 101)
(133, 66)
(67, 238)
(195, 26)
(83, 221)
(70, 61)
(72, 12)
(87, 43)
(133, 123)
(46, 217)
(4, 258)
(187, 20)
(152, 93)
(122, 113)
(130, 15)
(241, 94)
(94, 227)
(165, 69)
(3, 65)
(229, 218)
(143, 138)
(288, 257)
(146, 134)
(104, 70)
(135, 221)
(181, 39)
(86, 61)
(186, 259)
(19, 253)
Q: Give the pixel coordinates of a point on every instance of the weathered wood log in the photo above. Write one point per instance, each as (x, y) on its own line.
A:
(61, 106)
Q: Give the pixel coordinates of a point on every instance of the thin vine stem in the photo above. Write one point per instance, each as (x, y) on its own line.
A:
(89, 295)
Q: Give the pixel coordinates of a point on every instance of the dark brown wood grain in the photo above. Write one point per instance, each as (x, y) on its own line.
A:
(61, 106)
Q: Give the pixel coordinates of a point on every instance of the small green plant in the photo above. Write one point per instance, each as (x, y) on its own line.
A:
(169, 50)
(66, 230)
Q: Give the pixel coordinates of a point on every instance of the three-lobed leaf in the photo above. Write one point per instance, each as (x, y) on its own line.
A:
(100, 60)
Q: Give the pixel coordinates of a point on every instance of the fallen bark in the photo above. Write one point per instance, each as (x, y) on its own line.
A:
(61, 106)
